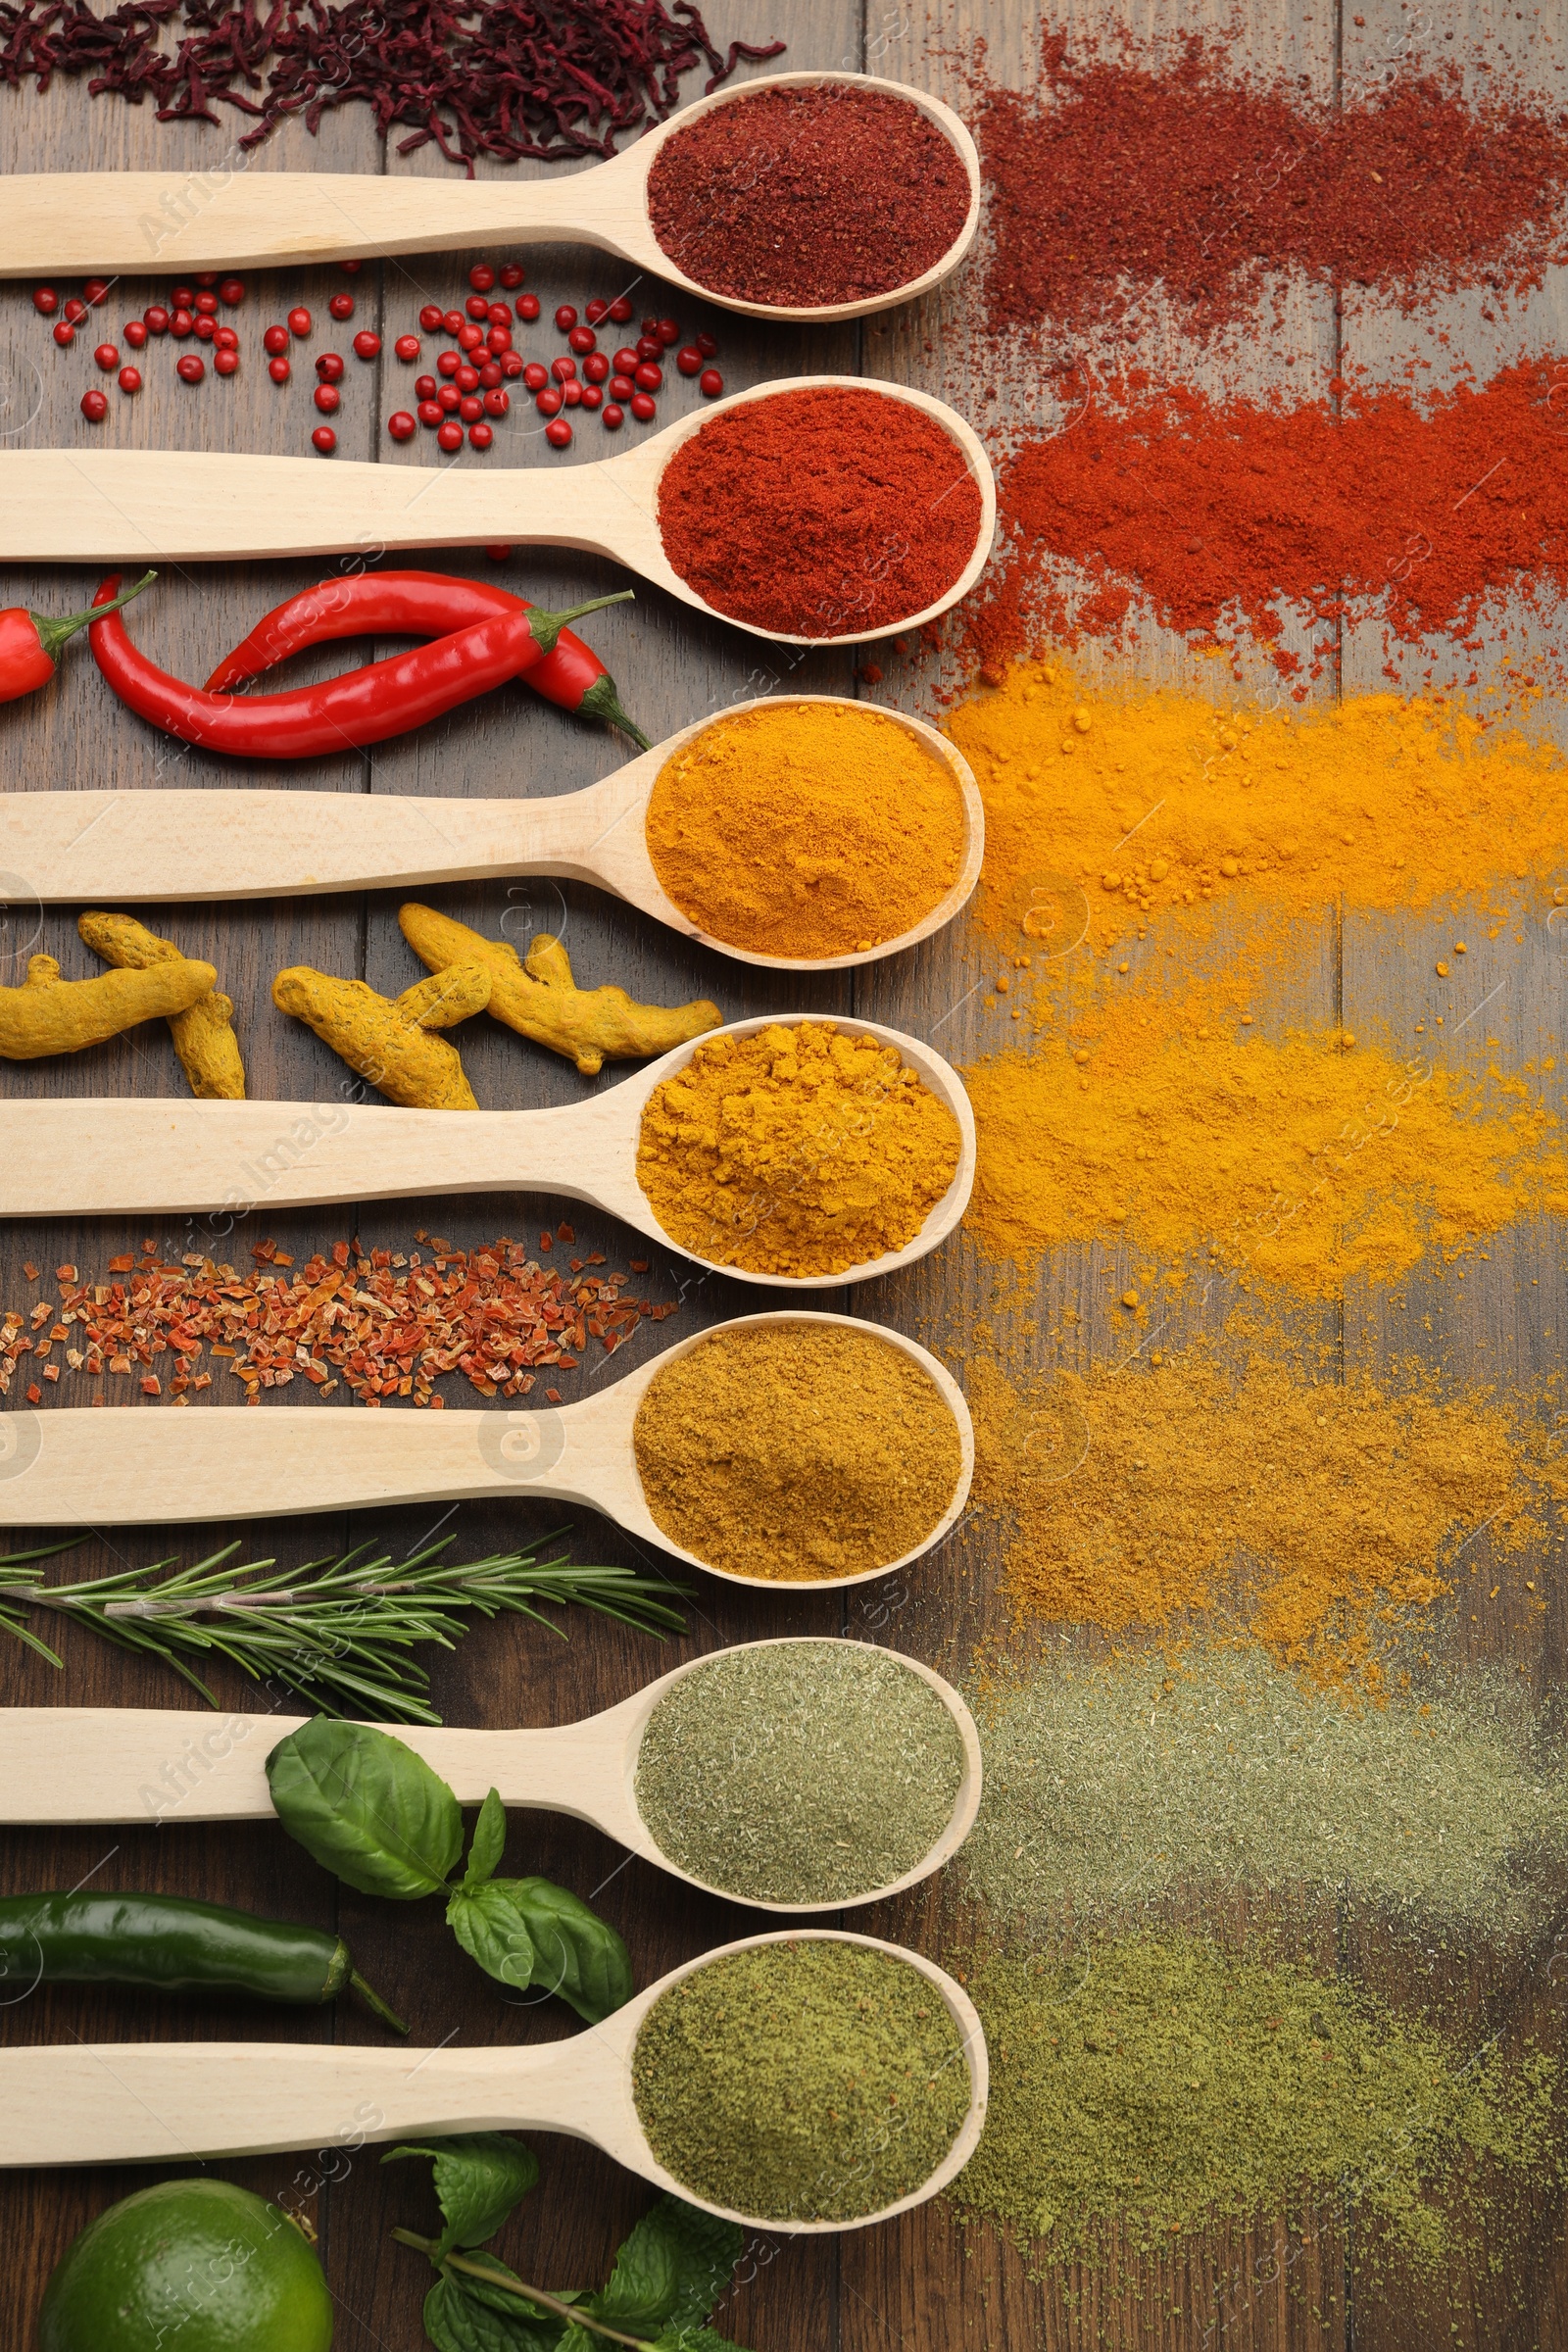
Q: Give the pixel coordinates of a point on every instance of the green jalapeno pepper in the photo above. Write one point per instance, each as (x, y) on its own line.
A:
(170, 1944)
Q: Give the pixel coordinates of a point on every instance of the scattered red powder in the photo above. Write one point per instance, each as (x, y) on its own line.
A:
(807, 196)
(1118, 175)
(1212, 512)
(820, 513)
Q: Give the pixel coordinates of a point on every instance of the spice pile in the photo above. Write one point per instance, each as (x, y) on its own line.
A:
(385, 1323)
(1110, 177)
(800, 1150)
(807, 829)
(1112, 1791)
(799, 1772)
(1162, 2084)
(1305, 1510)
(1415, 511)
(796, 1451)
(870, 499)
(1312, 1162)
(801, 2082)
(807, 197)
(554, 79)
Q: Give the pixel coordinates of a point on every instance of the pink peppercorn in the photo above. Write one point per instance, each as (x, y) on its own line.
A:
(95, 406)
(596, 311)
(571, 396)
(225, 339)
(184, 298)
(490, 373)
(74, 311)
(644, 406)
(710, 382)
(614, 417)
(480, 435)
(565, 318)
(452, 320)
(204, 328)
(432, 318)
(180, 324)
(500, 313)
(621, 387)
(407, 348)
(324, 440)
(496, 402)
(204, 305)
(563, 368)
(189, 368)
(689, 360)
(366, 346)
(106, 357)
(668, 331)
(299, 324)
(650, 378)
(558, 433)
(581, 340)
(536, 375)
(596, 367)
(468, 337)
(512, 364)
(424, 387)
(470, 409)
(135, 332)
(707, 346)
(430, 412)
(467, 379)
(130, 379)
(592, 395)
(155, 320)
(619, 310)
(401, 426)
(528, 307)
(227, 362)
(231, 292)
(279, 371)
(64, 334)
(547, 402)
(330, 367)
(481, 278)
(512, 275)
(449, 434)
(341, 305)
(95, 290)
(275, 339)
(45, 301)
(328, 399)
(476, 307)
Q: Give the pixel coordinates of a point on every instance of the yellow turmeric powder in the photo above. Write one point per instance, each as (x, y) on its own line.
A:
(1302, 1511)
(51, 1015)
(1305, 1162)
(805, 828)
(538, 998)
(1163, 801)
(204, 1035)
(797, 1151)
(388, 1041)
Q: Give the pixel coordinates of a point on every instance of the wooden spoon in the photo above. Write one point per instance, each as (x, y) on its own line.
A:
(165, 2102)
(227, 1462)
(102, 1157)
(87, 506)
(76, 221)
(61, 1765)
(146, 847)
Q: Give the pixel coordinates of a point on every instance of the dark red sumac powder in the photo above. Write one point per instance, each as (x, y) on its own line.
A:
(1114, 176)
(810, 196)
(820, 513)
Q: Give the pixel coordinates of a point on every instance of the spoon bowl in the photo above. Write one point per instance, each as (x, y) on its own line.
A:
(151, 2102)
(163, 506)
(101, 1157)
(75, 221)
(139, 848)
(225, 1461)
(64, 1765)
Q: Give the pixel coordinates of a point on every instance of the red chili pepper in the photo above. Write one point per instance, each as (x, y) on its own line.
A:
(420, 603)
(364, 706)
(30, 643)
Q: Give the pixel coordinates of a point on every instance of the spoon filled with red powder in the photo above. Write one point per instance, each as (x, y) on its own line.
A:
(813, 511)
(805, 195)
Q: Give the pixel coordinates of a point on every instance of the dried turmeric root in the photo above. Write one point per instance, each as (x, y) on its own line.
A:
(51, 1015)
(389, 1039)
(203, 1037)
(537, 995)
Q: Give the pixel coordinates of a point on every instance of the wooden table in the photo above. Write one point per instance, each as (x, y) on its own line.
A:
(920, 2285)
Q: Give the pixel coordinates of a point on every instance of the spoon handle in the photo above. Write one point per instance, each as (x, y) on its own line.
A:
(147, 848)
(136, 505)
(71, 1765)
(152, 2102)
(72, 222)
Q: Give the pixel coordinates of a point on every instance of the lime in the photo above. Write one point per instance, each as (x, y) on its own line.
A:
(191, 2266)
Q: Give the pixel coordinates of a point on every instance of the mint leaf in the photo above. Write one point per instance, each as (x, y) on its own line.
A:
(689, 2340)
(576, 1953)
(458, 2320)
(479, 2177)
(491, 1928)
(366, 1808)
(489, 1842)
(670, 2271)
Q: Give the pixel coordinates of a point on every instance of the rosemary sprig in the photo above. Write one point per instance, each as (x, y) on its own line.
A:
(342, 1633)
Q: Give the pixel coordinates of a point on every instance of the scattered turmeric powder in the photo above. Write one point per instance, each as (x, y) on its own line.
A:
(538, 998)
(807, 828)
(1305, 1162)
(51, 1015)
(1304, 1508)
(204, 1035)
(1381, 803)
(801, 1149)
(388, 1041)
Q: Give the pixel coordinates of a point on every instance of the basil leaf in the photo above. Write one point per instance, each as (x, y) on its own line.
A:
(489, 1839)
(366, 1808)
(493, 1931)
(576, 1953)
(458, 2320)
(480, 2177)
(671, 2270)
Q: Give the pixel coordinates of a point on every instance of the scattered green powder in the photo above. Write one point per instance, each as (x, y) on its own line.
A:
(1162, 2084)
(1107, 1788)
(800, 1771)
(801, 2082)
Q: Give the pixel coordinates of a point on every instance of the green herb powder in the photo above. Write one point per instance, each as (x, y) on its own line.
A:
(801, 2082)
(805, 1772)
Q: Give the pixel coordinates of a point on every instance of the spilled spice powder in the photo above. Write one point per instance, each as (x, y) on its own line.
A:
(1310, 1161)
(1300, 1511)
(1415, 511)
(1380, 803)
(1160, 2082)
(1111, 177)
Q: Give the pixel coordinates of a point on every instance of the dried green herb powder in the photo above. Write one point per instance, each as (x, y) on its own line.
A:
(801, 2082)
(1160, 2081)
(801, 1772)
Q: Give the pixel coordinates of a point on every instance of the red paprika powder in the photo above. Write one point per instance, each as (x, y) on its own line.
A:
(1212, 512)
(820, 513)
(804, 197)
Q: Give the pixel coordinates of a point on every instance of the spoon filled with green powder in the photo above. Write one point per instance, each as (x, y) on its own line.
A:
(801, 1775)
